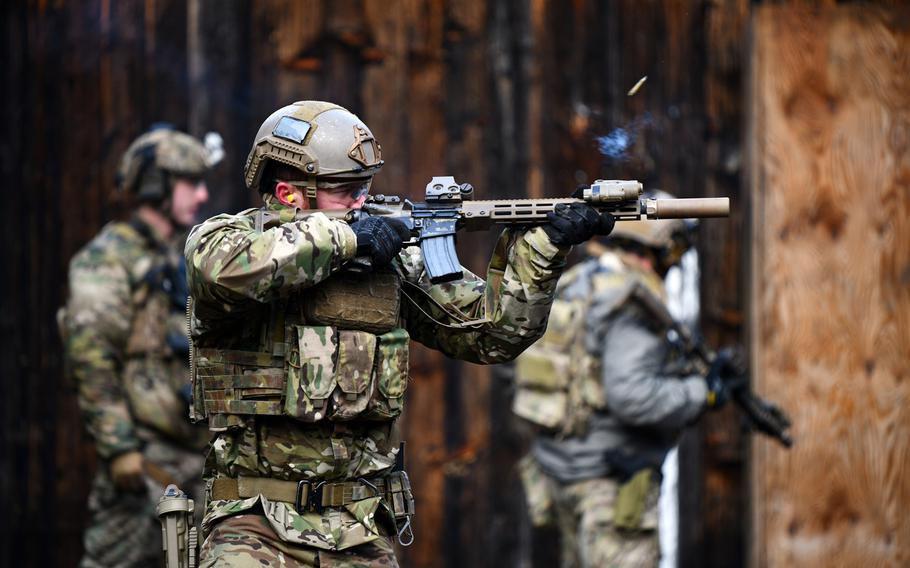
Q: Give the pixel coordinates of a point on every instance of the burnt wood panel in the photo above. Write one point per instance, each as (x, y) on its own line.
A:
(81, 81)
(712, 484)
(221, 61)
(510, 96)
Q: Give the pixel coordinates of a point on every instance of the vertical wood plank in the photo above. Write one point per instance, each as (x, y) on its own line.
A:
(425, 143)
(469, 514)
(218, 69)
(166, 76)
(403, 98)
(713, 487)
(19, 57)
(83, 181)
(830, 167)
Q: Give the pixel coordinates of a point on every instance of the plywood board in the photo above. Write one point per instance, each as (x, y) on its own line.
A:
(830, 170)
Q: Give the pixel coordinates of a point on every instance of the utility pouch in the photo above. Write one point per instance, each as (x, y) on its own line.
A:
(537, 493)
(543, 371)
(391, 376)
(367, 302)
(311, 372)
(400, 503)
(320, 373)
(632, 500)
(353, 372)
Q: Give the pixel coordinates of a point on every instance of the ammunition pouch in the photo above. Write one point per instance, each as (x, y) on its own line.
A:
(538, 497)
(349, 361)
(634, 499)
(557, 382)
(321, 373)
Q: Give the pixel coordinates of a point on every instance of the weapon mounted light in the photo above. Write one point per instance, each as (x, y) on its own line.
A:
(612, 190)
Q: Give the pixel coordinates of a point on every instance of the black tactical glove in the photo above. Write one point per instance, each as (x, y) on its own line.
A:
(574, 223)
(725, 376)
(380, 239)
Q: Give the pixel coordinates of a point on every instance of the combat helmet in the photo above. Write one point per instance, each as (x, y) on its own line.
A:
(669, 239)
(149, 165)
(321, 139)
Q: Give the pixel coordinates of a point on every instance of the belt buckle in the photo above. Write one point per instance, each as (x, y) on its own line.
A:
(299, 504)
(314, 500)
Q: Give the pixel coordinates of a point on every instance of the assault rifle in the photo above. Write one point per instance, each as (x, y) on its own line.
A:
(760, 414)
(450, 207)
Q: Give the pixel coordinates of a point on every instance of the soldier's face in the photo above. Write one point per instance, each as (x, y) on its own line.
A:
(188, 196)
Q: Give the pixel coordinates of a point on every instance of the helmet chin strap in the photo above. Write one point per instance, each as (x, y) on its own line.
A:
(165, 206)
(310, 191)
(167, 212)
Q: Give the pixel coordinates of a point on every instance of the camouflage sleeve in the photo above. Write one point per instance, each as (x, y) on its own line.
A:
(230, 263)
(515, 300)
(636, 388)
(98, 317)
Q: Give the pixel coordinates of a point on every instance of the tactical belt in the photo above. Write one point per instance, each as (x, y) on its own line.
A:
(305, 495)
(308, 495)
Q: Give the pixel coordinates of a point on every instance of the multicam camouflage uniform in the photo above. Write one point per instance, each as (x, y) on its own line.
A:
(610, 401)
(125, 339)
(301, 369)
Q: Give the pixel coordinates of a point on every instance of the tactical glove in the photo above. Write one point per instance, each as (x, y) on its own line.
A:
(725, 376)
(380, 239)
(574, 223)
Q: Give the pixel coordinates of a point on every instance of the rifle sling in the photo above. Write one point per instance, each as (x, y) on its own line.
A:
(463, 323)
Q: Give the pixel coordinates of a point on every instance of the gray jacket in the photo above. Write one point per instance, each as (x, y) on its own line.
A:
(648, 402)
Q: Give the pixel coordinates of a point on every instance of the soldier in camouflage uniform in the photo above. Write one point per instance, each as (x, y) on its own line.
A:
(127, 348)
(301, 363)
(608, 399)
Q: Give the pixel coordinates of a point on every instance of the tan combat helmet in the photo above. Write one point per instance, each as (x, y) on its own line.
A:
(149, 165)
(669, 238)
(322, 140)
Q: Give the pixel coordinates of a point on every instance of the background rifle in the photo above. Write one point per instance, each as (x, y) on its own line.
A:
(450, 207)
(760, 414)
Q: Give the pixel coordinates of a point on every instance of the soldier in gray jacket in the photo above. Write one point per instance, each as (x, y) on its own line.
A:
(609, 398)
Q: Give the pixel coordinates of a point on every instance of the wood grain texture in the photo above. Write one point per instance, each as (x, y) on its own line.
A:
(508, 95)
(830, 166)
(713, 469)
(80, 82)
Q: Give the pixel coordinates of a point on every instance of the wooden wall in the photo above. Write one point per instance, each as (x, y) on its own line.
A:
(509, 95)
(80, 80)
(830, 168)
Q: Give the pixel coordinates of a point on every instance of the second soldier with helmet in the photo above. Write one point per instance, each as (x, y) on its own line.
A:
(127, 348)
